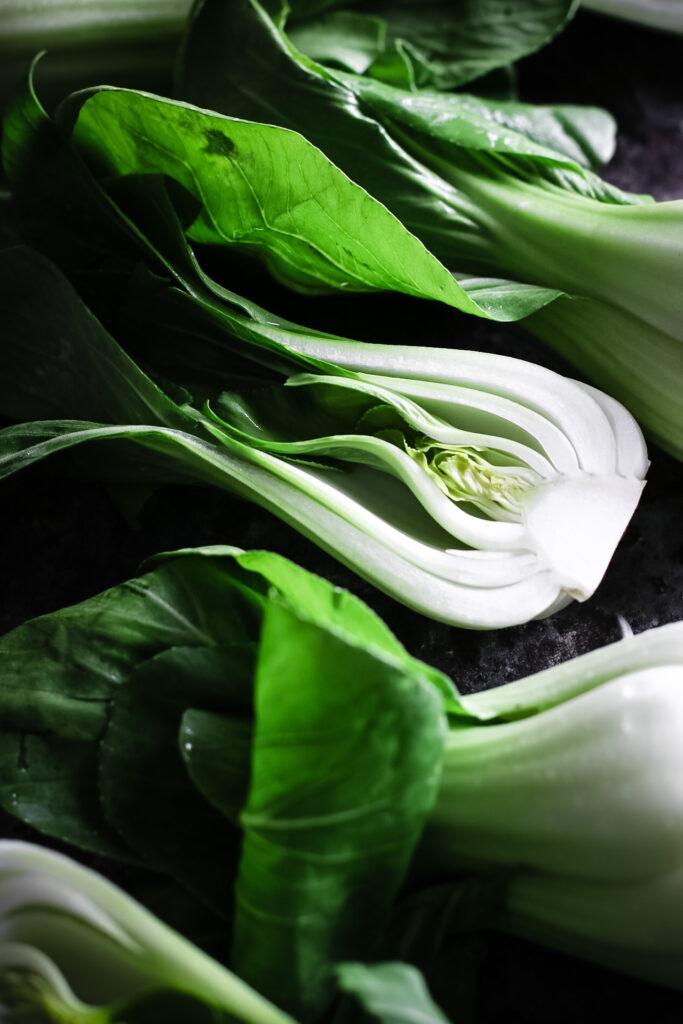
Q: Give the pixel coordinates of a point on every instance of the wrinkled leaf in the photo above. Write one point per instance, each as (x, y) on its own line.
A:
(441, 44)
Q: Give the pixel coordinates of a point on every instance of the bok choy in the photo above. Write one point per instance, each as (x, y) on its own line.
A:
(502, 193)
(439, 42)
(75, 948)
(228, 720)
(477, 489)
(573, 784)
(262, 739)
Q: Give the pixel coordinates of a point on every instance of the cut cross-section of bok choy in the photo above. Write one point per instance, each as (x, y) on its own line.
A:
(480, 490)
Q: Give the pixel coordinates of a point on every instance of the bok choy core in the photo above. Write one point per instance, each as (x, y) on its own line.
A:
(543, 473)
(574, 785)
(75, 948)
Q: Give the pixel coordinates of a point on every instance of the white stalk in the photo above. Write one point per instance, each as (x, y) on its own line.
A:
(56, 24)
(577, 457)
(580, 794)
(468, 559)
(73, 943)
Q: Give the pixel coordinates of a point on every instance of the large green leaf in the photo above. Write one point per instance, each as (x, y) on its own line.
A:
(264, 188)
(83, 226)
(345, 766)
(442, 44)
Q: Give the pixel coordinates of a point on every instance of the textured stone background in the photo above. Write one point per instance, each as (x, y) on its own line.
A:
(63, 540)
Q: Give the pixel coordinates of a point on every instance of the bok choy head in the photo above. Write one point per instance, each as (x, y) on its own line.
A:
(572, 783)
(75, 948)
(479, 490)
(502, 193)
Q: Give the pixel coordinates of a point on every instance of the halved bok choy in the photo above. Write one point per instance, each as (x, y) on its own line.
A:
(479, 490)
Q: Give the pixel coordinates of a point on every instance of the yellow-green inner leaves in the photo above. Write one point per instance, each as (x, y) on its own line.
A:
(464, 474)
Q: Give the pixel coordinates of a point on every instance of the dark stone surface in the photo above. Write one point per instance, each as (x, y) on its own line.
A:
(64, 539)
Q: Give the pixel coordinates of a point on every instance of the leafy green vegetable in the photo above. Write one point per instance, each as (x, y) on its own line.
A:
(574, 787)
(501, 194)
(55, 705)
(562, 789)
(75, 948)
(317, 228)
(438, 43)
(579, 453)
(410, 42)
(343, 776)
(330, 735)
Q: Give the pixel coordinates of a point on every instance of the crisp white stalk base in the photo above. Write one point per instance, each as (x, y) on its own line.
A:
(578, 792)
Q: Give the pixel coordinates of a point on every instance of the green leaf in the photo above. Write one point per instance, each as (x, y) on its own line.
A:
(50, 783)
(345, 767)
(146, 792)
(216, 750)
(60, 673)
(316, 599)
(443, 44)
(236, 60)
(80, 225)
(558, 135)
(287, 200)
(394, 993)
